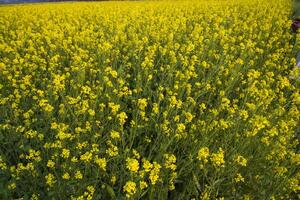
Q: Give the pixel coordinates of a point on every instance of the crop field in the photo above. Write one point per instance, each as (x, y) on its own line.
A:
(149, 100)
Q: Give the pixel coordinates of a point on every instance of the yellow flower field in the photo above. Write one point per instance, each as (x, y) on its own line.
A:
(149, 100)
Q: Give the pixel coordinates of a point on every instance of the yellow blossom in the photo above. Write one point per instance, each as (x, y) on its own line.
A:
(78, 175)
(218, 158)
(241, 160)
(142, 103)
(132, 164)
(130, 188)
(50, 180)
(66, 176)
(203, 154)
(239, 178)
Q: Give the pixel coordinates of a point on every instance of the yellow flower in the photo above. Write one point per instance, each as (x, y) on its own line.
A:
(12, 186)
(203, 154)
(239, 178)
(101, 162)
(218, 158)
(66, 176)
(241, 160)
(91, 112)
(132, 164)
(136, 154)
(188, 116)
(122, 118)
(180, 128)
(114, 107)
(142, 103)
(86, 157)
(113, 180)
(34, 155)
(155, 108)
(294, 184)
(35, 197)
(78, 175)
(112, 150)
(65, 153)
(154, 173)
(172, 181)
(45, 105)
(74, 160)
(129, 188)
(170, 161)
(50, 164)
(147, 165)
(3, 165)
(50, 180)
(115, 135)
(143, 185)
